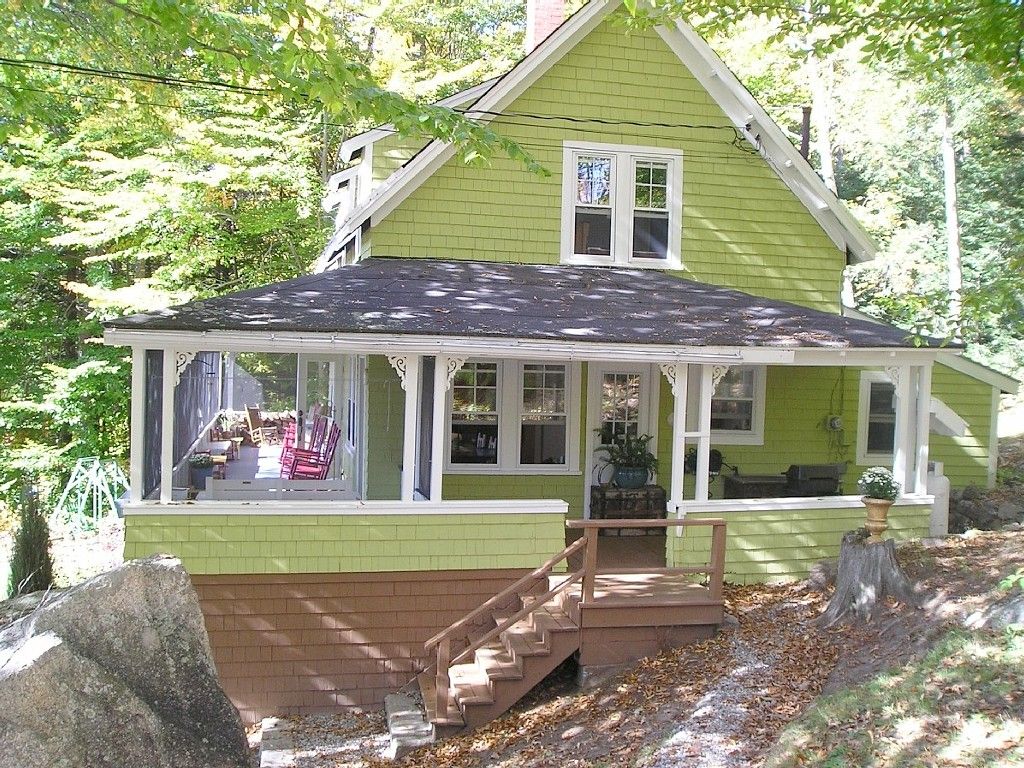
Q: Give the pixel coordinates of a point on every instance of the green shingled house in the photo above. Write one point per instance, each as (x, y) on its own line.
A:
(477, 332)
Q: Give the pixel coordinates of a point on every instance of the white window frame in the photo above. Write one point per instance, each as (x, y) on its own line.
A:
(624, 158)
(510, 412)
(867, 378)
(754, 435)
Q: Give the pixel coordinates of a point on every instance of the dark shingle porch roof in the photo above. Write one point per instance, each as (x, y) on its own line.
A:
(556, 303)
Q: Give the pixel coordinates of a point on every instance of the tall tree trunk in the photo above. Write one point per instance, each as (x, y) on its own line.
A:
(821, 116)
(953, 259)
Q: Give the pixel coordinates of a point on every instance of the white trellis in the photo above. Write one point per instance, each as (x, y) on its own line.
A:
(91, 491)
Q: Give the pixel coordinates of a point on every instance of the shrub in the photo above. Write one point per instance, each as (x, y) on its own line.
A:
(31, 563)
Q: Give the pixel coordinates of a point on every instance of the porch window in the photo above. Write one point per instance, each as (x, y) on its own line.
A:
(543, 416)
(737, 408)
(475, 414)
(514, 417)
(876, 427)
(622, 205)
(620, 406)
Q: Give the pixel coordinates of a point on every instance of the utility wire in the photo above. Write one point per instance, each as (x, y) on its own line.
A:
(132, 76)
(211, 112)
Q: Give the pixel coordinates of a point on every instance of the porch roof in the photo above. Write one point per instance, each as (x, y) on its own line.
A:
(527, 301)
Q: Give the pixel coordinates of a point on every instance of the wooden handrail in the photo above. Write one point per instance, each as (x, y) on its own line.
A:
(571, 579)
(499, 598)
(634, 523)
(715, 570)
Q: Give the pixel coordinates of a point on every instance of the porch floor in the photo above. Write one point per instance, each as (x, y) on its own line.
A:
(622, 551)
(254, 463)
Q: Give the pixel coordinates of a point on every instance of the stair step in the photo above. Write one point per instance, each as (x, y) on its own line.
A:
(453, 717)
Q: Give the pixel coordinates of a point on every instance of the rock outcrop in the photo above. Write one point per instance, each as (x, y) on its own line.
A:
(116, 672)
(978, 509)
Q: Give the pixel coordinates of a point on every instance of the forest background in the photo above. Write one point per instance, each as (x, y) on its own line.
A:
(154, 153)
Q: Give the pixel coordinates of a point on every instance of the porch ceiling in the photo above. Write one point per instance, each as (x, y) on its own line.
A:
(499, 300)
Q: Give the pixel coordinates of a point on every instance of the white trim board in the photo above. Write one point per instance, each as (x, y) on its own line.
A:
(694, 53)
(352, 508)
(515, 348)
(794, 504)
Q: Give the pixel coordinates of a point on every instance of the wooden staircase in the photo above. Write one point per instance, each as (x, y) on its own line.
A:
(489, 659)
(513, 653)
(505, 668)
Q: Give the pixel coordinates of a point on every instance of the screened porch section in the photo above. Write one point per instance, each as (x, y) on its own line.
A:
(248, 425)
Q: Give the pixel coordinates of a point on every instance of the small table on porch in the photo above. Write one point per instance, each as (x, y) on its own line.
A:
(610, 503)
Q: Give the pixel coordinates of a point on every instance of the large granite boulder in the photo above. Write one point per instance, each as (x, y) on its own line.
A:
(116, 672)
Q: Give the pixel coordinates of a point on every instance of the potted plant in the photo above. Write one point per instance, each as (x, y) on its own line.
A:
(632, 460)
(201, 465)
(880, 490)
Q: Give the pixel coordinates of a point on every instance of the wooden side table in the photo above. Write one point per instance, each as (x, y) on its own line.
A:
(610, 503)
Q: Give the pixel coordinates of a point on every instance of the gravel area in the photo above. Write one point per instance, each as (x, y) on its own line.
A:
(338, 741)
(712, 736)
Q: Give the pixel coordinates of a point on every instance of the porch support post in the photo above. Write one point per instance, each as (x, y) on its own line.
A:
(676, 374)
(903, 453)
(229, 381)
(708, 382)
(408, 367)
(924, 415)
(170, 380)
(445, 368)
(137, 443)
(300, 384)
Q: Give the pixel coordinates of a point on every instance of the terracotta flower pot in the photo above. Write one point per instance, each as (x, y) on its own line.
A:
(877, 521)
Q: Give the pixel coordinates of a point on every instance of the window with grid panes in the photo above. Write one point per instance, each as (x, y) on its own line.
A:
(620, 406)
(474, 415)
(732, 407)
(543, 415)
(622, 205)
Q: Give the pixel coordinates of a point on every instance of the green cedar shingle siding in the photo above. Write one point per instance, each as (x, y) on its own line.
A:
(742, 227)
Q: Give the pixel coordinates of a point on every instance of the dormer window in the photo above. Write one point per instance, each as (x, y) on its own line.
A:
(621, 205)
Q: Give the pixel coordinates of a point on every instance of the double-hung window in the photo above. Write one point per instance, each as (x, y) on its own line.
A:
(737, 408)
(512, 416)
(622, 205)
(876, 422)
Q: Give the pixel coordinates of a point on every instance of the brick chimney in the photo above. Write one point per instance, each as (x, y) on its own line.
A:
(542, 18)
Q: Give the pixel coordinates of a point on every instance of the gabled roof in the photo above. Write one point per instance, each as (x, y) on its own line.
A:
(738, 104)
(521, 301)
(463, 98)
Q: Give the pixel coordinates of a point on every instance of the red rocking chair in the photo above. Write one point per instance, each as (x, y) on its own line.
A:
(309, 464)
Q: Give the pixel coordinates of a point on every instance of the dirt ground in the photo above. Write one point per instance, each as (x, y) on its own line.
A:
(630, 721)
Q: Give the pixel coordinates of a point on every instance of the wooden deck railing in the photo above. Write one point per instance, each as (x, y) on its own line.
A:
(714, 568)
(442, 641)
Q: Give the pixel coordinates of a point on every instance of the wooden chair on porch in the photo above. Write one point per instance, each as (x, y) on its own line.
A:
(308, 464)
(261, 433)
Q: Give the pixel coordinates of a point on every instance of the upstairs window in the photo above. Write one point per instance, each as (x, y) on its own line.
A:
(622, 205)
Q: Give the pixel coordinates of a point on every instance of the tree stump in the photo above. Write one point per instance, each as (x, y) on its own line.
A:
(868, 573)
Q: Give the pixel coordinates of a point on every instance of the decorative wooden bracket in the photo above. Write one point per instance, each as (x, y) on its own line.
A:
(452, 366)
(181, 362)
(717, 374)
(893, 372)
(673, 372)
(400, 363)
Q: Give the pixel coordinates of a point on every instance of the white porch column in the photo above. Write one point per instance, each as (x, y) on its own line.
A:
(710, 375)
(903, 443)
(300, 383)
(445, 368)
(136, 452)
(169, 382)
(229, 381)
(676, 373)
(408, 369)
(924, 416)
